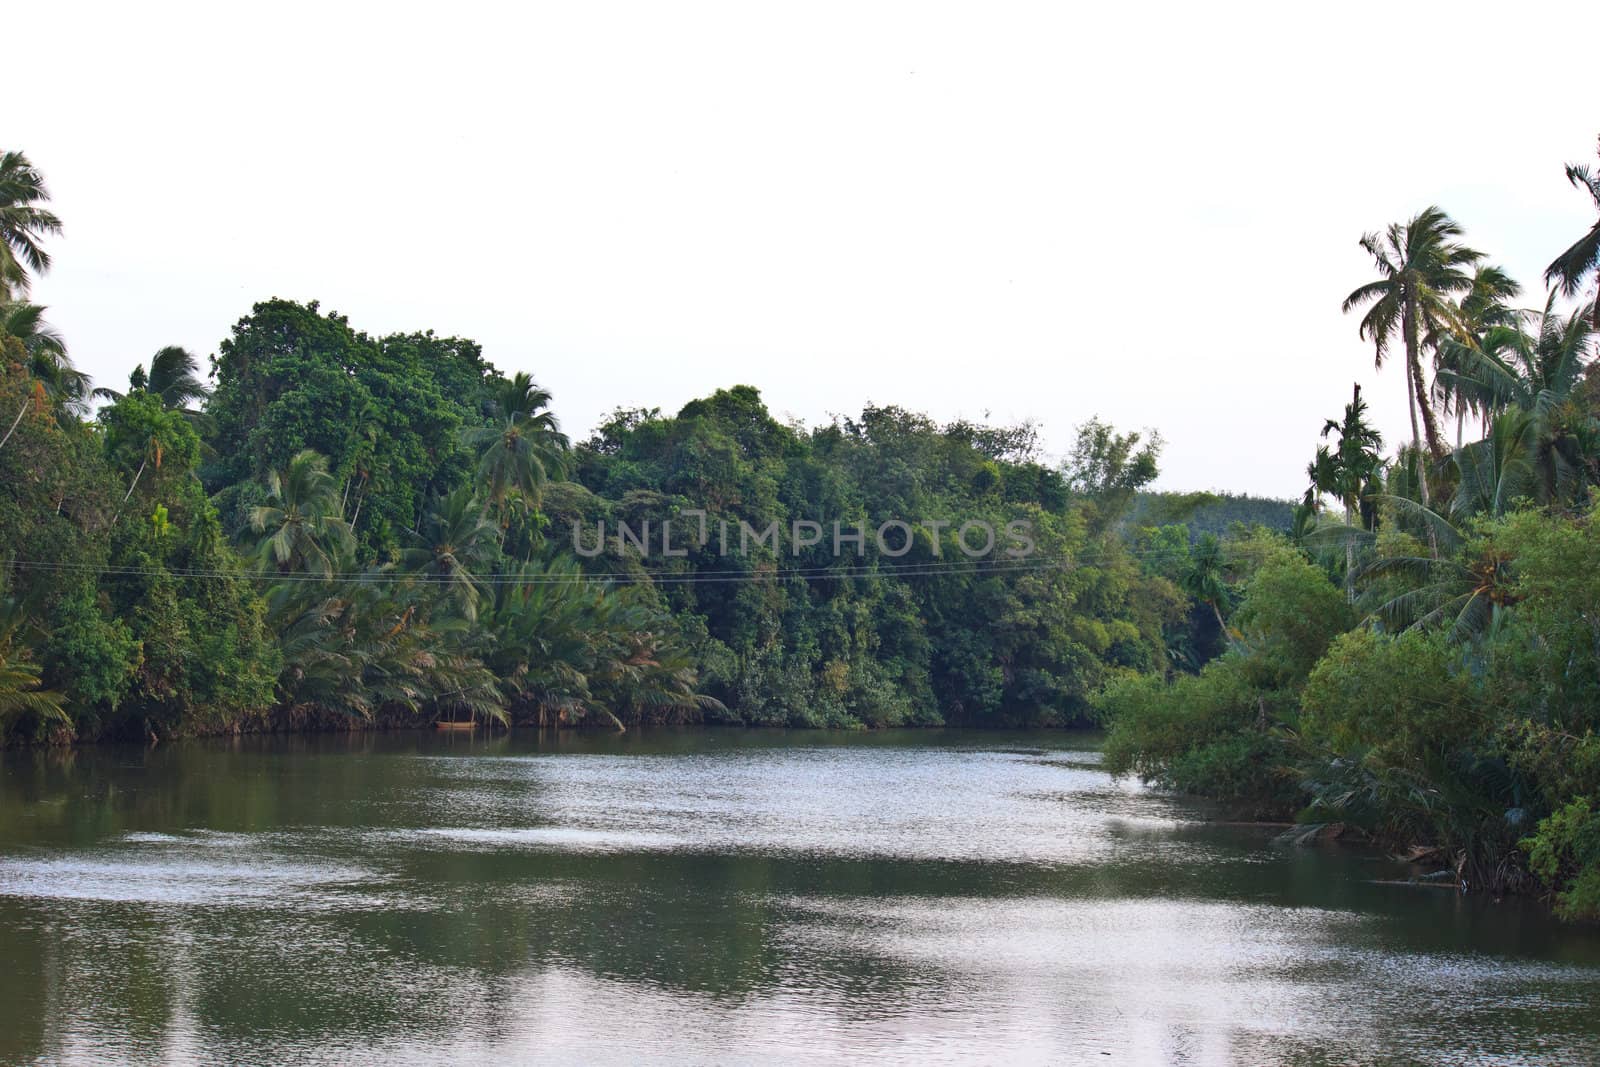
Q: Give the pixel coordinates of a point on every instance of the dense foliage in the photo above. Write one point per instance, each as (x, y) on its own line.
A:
(339, 528)
(1421, 662)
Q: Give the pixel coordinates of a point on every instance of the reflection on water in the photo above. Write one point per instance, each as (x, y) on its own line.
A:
(729, 896)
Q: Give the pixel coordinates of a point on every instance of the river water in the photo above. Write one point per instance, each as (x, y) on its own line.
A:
(725, 896)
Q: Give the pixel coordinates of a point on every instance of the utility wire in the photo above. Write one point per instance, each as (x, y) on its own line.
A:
(1015, 565)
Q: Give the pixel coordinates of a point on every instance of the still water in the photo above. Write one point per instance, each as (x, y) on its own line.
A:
(724, 896)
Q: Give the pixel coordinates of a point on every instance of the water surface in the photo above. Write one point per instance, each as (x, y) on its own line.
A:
(728, 896)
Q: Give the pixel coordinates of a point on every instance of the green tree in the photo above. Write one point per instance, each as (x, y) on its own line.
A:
(1350, 473)
(24, 223)
(1571, 268)
(46, 356)
(454, 541)
(1421, 267)
(525, 447)
(1206, 579)
(1110, 468)
(173, 378)
(387, 413)
(90, 658)
(1535, 367)
(1463, 584)
(1486, 306)
(300, 529)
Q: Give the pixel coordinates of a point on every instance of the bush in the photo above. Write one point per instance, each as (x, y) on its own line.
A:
(1565, 852)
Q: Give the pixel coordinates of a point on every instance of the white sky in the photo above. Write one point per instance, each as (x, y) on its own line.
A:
(1140, 211)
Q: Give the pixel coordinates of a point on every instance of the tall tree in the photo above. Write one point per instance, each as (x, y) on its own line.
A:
(301, 529)
(455, 540)
(1485, 307)
(1357, 456)
(1349, 471)
(1570, 269)
(24, 222)
(173, 378)
(1205, 580)
(1421, 266)
(523, 449)
(47, 356)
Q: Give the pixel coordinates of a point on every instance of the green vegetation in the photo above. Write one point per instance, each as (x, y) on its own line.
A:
(1421, 664)
(339, 529)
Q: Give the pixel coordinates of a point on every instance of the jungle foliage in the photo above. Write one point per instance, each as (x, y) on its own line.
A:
(332, 528)
(1420, 661)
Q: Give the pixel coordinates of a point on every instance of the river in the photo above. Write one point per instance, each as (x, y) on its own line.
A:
(692, 896)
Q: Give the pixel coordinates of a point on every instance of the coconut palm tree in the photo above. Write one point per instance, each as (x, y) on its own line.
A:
(173, 378)
(455, 540)
(1485, 306)
(1571, 268)
(540, 627)
(523, 449)
(1534, 366)
(1204, 581)
(24, 222)
(48, 362)
(1455, 587)
(301, 530)
(1421, 267)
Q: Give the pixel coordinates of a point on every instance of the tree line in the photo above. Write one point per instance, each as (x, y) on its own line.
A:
(329, 528)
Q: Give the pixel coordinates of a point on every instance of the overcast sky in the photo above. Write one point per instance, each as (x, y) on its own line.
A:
(1144, 212)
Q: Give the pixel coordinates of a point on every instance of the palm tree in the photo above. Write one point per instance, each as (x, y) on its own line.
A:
(638, 671)
(369, 646)
(1534, 366)
(1204, 580)
(1357, 458)
(1349, 472)
(455, 539)
(1421, 267)
(1484, 307)
(23, 223)
(1573, 266)
(1494, 473)
(172, 377)
(1467, 592)
(48, 362)
(525, 447)
(301, 529)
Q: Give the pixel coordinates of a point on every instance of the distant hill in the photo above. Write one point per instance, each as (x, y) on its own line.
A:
(1212, 512)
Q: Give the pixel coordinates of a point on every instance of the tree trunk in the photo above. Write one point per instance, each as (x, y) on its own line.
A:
(1350, 554)
(1419, 388)
(1414, 395)
(1430, 422)
(1416, 443)
(1409, 328)
(15, 421)
(137, 475)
